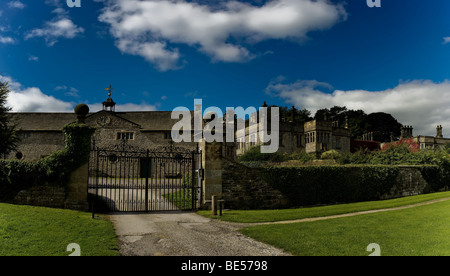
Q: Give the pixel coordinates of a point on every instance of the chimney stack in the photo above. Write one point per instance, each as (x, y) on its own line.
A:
(439, 132)
(406, 132)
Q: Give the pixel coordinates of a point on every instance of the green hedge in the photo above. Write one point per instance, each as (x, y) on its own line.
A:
(314, 185)
(55, 168)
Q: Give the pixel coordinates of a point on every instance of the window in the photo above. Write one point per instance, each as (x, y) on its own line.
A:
(125, 135)
(24, 135)
(240, 143)
(168, 135)
(253, 140)
(338, 142)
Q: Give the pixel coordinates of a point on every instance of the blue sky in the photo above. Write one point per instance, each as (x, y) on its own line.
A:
(159, 55)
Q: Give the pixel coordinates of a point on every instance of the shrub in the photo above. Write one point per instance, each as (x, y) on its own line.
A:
(408, 143)
(55, 168)
(330, 154)
(301, 156)
(362, 156)
(254, 154)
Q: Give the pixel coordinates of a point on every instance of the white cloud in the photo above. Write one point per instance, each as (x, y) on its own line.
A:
(446, 40)
(145, 28)
(153, 52)
(32, 99)
(33, 58)
(16, 5)
(68, 91)
(421, 103)
(6, 40)
(59, 27)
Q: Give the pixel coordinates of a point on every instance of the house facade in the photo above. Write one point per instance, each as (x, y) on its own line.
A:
(315, 136)
(41, 133)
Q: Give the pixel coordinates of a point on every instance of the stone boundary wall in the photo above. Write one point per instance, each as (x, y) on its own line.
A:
(244, 188)
(72, 196)
(59, 180)
(409, 182)
(43, 195)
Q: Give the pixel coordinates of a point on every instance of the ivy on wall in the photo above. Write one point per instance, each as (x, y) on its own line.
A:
(55, 169)
(314, 185)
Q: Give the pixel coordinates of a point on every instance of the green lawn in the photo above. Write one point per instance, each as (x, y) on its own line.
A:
(250, 216)
(417, 231)
(39, 231)
(182, 199)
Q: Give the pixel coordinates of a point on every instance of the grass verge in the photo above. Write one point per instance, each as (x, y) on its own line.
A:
(417, 231)
(40, 231)
(253, 216)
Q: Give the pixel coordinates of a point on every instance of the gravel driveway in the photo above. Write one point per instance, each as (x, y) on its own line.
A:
(184, 234)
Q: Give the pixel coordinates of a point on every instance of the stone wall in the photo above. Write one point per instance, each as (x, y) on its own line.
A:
(71, 196)
(43, 195)
(35, 145)
(409, 182)
(240, 186)
(244, 188)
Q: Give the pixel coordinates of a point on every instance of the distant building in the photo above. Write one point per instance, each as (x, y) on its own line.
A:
(424, 142)
(431, 142)
(315, 137)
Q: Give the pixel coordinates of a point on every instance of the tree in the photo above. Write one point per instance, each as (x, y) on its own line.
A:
(8, 135)
(300, 115)
(383, 125)
(336, 113)
(356, 119)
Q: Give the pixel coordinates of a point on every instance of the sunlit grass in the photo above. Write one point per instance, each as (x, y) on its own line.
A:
(39, 231)
(251, 216)
(417, 231)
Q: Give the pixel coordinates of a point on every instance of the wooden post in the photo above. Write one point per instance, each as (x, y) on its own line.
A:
(213, 205)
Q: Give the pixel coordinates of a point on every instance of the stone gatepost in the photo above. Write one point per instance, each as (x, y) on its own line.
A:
(76, 198)
(212, 165)
(77, 186)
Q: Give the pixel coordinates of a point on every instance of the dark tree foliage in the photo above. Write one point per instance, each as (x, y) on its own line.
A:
(8, 135)
(383, 125)
(356, 119)
(294, 115)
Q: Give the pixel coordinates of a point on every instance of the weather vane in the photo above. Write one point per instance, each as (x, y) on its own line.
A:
(110, 89)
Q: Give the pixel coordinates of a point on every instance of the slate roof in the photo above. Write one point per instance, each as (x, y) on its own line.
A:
(147, 120)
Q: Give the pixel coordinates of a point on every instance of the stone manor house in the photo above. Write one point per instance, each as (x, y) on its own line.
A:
(41, 133)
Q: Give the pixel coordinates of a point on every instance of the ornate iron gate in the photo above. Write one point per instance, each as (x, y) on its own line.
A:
(123, 178)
